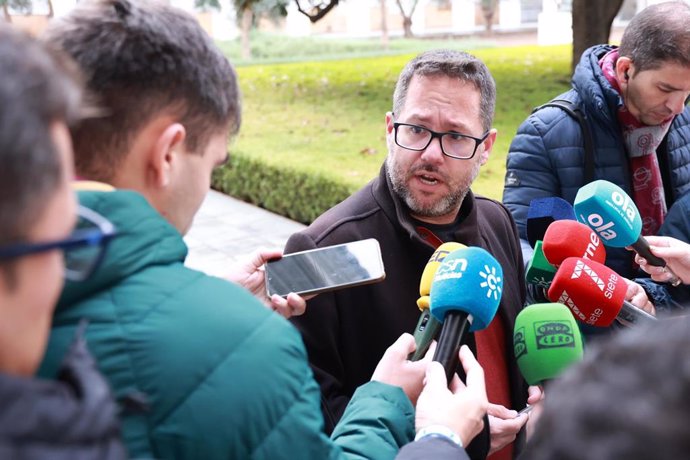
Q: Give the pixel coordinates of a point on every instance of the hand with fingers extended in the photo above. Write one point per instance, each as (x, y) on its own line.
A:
(395, 369)
(250, 275)
(675, 252)
(460, 408)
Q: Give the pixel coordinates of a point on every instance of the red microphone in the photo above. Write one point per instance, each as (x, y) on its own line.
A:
(569, 238)
(594, 293)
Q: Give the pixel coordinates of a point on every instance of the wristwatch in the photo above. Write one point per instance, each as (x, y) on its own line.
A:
(441, 431)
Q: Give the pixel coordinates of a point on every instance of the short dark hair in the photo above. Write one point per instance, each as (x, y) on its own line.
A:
(142, 59)
(658, 34)
(452, 64)
(629, 398)
(37, 89)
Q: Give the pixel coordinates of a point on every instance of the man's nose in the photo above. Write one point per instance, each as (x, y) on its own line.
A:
(676, 103)
(433, 152)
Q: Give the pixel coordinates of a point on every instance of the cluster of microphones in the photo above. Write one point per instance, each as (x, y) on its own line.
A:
(461, 287)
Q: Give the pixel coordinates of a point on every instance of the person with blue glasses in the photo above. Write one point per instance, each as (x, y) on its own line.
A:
(42, 242)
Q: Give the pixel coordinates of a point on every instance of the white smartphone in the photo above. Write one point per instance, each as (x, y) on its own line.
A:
(526, 410)
(326, 269)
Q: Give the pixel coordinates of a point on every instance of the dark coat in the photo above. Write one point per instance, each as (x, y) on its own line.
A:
(71, 418)
(346, 332)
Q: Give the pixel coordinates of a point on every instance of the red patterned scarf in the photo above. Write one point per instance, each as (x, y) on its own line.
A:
(641, 142)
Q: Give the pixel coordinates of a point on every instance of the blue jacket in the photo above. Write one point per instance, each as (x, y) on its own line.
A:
(546, 157)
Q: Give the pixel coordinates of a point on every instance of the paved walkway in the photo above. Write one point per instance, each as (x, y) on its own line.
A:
(226, 229)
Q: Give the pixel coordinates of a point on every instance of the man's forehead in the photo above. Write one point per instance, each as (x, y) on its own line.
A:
(670, 74)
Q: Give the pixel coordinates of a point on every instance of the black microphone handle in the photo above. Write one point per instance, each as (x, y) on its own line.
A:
(424, 333)
(632, 314)
(455, 327)
(641, 246)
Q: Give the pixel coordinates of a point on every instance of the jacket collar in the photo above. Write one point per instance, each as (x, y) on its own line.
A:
(398, 213)
(144, 238)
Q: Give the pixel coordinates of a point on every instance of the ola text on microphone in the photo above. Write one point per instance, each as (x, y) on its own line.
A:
(612, 214)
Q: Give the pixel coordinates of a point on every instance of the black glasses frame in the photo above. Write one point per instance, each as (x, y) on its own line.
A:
(99, 236)
(434, 135)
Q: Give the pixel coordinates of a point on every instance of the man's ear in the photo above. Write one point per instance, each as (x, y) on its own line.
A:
(487, 145)
(624, 70)
(163, 155)
(389, 122)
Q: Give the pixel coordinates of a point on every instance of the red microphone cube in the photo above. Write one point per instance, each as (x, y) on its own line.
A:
(592, 291)
(569, 238)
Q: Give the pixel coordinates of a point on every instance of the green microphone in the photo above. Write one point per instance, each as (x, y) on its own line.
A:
(546, 341)
(539, 271)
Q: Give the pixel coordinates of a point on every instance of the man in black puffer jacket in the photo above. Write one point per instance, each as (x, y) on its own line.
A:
(73, 417)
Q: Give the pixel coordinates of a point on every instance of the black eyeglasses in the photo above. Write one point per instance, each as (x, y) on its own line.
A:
(84, 249)
(454, 145)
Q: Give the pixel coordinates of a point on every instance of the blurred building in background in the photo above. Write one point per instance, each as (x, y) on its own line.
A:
(551, 19)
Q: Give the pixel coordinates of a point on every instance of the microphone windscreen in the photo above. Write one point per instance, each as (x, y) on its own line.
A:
(569, 238)
(468, 280)
(546, 340)
(592, 291)
(430, 270)
(610, 212)
(543, 211)
(539, 271)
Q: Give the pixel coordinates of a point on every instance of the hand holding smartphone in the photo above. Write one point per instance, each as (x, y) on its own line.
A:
(326, 269)
(526, 410)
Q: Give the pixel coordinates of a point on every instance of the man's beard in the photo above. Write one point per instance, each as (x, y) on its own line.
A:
(445, 205)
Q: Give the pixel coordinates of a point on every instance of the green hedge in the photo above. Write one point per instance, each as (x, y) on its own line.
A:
(299, 195)
(313, 132)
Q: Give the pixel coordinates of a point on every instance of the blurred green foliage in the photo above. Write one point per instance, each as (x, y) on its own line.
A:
(314, 132)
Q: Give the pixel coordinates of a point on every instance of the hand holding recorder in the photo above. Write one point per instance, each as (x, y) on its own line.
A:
(676, 253)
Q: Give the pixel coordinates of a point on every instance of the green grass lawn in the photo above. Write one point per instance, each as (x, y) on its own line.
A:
(327, 117)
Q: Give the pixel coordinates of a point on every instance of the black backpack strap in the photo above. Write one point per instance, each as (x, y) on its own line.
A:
(575, 112)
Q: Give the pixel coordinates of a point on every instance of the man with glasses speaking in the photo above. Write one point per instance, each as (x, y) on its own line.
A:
(439, 135)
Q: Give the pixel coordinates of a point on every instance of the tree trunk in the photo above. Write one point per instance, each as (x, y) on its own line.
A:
(51, 12)
(592, 21)
(407, 18)
(407, 27)
(384, 26)
(247, 17)
(488, 11)
(6, 12)
(488, 21)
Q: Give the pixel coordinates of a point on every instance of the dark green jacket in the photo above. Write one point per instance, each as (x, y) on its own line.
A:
(214, 372)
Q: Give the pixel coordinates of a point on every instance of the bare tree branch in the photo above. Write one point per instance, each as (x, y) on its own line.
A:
(318, 10)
